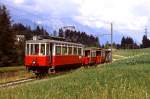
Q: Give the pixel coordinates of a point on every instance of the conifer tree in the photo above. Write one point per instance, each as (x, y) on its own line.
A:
(7, 39)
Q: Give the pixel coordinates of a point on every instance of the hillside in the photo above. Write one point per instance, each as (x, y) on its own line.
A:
(126, 78)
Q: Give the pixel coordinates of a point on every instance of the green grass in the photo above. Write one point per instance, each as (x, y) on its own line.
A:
(11, 68)
(123, 79)
(131, 52)
(13, 73)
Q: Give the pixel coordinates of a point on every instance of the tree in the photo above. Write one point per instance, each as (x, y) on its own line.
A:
(80, 37)
(40, 31)
(123, 42)
(54, 33)
(128, 43)
(145, 42)
(37, 31)
(7, 39)
(107, 45)
(60, 32)
(20, 29)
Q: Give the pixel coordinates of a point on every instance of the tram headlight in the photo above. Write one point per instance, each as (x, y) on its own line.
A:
(33, 62)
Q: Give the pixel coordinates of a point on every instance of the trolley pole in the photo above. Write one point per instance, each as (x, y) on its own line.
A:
(111, 40)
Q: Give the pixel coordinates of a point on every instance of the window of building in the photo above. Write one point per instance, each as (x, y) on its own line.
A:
(58, 50)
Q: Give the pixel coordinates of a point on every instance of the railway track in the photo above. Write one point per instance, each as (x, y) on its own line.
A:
(25, 80)
(16, 82)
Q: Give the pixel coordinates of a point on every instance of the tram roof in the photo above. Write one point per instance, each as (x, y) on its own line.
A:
(52, 41)
(97, 49)
(93, 48)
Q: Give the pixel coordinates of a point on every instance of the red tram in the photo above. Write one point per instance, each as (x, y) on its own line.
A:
(94, 56)
(45, 55)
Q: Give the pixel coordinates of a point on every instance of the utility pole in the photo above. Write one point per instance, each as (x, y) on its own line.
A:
(110, 34)
(146, 31)
(111, 40)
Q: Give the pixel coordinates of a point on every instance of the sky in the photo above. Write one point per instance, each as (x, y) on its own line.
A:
(129, 17)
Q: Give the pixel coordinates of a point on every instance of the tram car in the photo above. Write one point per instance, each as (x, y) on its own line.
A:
(46, 55)
(89, 56)
(94, 56)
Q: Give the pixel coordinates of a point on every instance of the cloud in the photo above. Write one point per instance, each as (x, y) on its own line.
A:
(98, 13)
(49, 12)
(18, 1)
(129, 16)
(125, 14)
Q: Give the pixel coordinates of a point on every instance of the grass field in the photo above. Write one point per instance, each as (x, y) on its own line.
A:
(13, 73)
(11, 68)
(126, 78)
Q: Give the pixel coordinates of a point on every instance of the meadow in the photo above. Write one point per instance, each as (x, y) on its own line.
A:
(12, 73)
(128, 77)
(11, 69)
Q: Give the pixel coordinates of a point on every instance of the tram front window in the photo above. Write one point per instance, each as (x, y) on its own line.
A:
(27, 49)
(34, 49)
(42, 49)
(37, 49)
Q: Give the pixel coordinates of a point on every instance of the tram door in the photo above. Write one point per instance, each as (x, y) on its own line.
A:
(51, 52)
(87, 53)
(48, 51)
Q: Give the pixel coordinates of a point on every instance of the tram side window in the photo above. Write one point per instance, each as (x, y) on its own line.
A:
(87, 53)
(36, 49)
(58, 50)
(27, 49)
(98, 53)
(42, 49)
(103, 53)
(64, 50)
(93, 54)
(32, 49)
(75, 51)
(79, 51)
(70, 50)
(47, 49)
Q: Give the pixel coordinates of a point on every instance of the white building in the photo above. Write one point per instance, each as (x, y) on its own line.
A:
(20, 38)
(71, 28)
